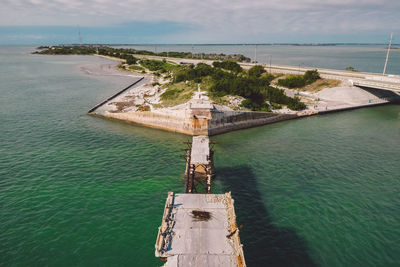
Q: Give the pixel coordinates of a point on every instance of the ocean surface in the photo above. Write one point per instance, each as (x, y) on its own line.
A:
(367, 58)
(77, 190)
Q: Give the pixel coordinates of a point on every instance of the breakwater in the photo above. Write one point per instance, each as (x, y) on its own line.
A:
(114, 95)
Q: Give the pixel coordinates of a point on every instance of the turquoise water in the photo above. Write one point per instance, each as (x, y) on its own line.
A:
(80, 190)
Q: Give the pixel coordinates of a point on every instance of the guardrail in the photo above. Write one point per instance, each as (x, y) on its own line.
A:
(114, 96)
(376, 85)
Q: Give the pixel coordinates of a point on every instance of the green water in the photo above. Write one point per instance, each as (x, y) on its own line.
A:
(79, 190)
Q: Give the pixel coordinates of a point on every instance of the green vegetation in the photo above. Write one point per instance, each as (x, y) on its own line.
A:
(130, 60)
(351, 69)
(254, 85)
(228, 65)
(138, 68)
(226, 77)
(192, 73)
(155, 65)
(299, 81)
(122, 52)
(256, 71)
(178, 93)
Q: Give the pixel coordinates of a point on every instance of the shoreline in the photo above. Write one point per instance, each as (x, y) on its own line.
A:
(179, 120)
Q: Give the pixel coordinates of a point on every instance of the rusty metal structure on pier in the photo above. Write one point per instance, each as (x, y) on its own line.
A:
(199, 165)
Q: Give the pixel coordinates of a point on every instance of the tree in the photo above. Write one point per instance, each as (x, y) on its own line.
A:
(131, 60)
(228, 65)
(311, 76)
(256, 71)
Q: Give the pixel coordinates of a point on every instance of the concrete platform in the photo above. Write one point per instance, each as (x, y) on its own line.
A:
(200, 150)
(211, 239)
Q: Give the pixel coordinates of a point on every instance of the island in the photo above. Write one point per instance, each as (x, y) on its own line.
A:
(208, 94)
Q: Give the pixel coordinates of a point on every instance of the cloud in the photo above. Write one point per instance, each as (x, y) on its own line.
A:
(214, 20)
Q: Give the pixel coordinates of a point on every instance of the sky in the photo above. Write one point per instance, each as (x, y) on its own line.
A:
(198, 21)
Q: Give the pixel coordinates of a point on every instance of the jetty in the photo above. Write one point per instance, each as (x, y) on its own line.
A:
(199, 229)
(199, 165)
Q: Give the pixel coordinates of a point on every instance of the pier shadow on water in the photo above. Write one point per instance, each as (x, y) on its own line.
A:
(264, 243)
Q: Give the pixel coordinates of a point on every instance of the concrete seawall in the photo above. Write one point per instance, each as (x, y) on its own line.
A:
(189, 126)
(223, 122)
(217, 123)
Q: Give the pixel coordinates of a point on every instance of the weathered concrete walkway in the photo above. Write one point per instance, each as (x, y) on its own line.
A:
(199, 230)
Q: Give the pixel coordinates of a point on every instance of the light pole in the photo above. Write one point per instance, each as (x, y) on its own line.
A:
(270, 60)
(255, 54)
(302, 63)
(270, 64)
(387, 53)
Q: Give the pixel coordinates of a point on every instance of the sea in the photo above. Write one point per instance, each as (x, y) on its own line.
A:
(77, 190)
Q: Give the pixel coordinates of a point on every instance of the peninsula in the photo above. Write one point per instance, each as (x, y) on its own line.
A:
(208, 94)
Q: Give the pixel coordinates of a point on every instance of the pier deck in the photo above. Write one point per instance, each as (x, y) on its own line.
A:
(200, 150)
(199, 165)
(199, 230)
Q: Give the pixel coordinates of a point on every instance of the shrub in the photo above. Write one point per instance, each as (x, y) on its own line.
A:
(311, 76)
(256, 70)
(296, 104)
(151, 64)
(298, 81)
(193, 73)
(292, 81)
(228, 65)
(351, 69)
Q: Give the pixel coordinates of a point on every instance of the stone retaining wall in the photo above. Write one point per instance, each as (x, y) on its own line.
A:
(189, 125)
(221, 122)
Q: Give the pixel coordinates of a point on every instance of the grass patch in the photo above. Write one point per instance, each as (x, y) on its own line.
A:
(134, 67)
(220, 100)
(156, 65)
(321, 84)
(178, 93)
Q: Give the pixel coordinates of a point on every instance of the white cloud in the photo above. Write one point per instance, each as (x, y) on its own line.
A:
(215, 19)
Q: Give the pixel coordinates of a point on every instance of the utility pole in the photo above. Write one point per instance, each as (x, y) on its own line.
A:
(302, 63)
(270, 65)
(387, 53)
(80, 37)
(255, 54)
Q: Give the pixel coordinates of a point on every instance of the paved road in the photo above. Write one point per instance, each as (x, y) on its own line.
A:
(372, 80)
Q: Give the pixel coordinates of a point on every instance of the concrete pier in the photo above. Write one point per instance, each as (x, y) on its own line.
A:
(199, 165)
(199, 230)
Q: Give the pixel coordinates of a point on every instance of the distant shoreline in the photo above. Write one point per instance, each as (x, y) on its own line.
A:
(240, 44)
